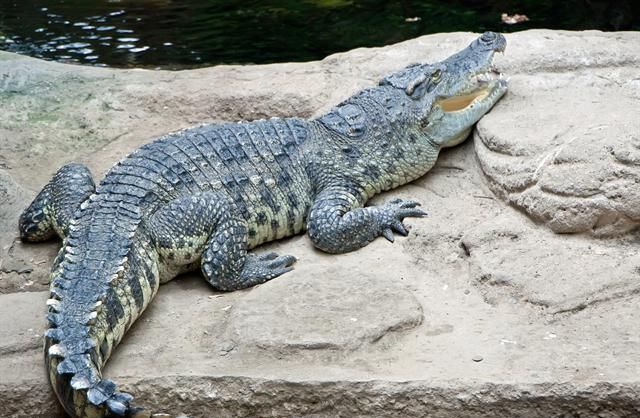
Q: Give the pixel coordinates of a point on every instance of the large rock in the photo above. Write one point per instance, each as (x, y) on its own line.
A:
(481, 311)
(566, 149)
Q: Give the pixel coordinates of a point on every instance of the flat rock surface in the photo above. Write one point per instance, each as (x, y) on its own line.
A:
(484, 310)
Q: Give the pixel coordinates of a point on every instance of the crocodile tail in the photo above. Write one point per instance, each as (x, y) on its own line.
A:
(103, 281)
(84, 394)
(83, 332)
(77, 381)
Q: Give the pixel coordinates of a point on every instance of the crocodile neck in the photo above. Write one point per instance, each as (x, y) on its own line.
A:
(103, 280)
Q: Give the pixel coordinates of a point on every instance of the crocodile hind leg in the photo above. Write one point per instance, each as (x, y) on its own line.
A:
(51, 211)
(207, 227)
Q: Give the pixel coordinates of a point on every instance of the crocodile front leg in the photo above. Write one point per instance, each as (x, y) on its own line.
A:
(338, 223)
(207, 227)
(52, 210)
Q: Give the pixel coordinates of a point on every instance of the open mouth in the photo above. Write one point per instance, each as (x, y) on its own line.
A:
(482, 85)
(458, 103)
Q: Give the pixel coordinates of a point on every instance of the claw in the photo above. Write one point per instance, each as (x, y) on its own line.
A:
(260, 268)
(283, 261)
(269, 256)
(409, 204)
(413, 213)
(396, 211)
(400, 228)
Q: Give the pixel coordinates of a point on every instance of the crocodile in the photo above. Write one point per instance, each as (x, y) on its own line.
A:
(203, 197)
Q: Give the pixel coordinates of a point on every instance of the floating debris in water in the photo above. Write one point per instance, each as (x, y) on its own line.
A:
(83, 51)
(512, 20)
(140, 49)
(73, 45)
(413, 19)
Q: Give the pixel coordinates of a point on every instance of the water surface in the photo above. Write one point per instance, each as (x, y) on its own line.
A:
(187, 33)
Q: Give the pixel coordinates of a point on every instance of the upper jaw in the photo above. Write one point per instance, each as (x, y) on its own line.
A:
(479, 79)
(486, 83)
(486, 93)
(475, 63)
(482, 76)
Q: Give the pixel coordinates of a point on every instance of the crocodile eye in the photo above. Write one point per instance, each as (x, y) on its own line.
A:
(436, 76)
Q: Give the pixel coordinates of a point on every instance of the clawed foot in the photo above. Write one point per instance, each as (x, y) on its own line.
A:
(394, 212)
(267, 266)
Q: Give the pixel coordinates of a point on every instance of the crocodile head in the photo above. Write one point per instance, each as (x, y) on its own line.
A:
(448, 97)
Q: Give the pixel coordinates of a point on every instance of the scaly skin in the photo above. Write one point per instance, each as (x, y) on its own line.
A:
(207, 195)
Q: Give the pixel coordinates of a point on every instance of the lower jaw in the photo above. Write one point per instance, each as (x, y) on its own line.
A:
(464, 101)
(456, 125)
(475, 104)
(458, 139)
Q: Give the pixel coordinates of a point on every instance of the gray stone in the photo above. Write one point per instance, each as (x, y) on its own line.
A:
(515, 262)
(571, 160)
(22, 268)
(370, 307)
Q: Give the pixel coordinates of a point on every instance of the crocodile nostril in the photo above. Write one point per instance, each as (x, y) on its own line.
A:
(489, 37)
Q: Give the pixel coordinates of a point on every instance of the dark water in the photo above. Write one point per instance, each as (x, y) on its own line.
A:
(187, 33)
